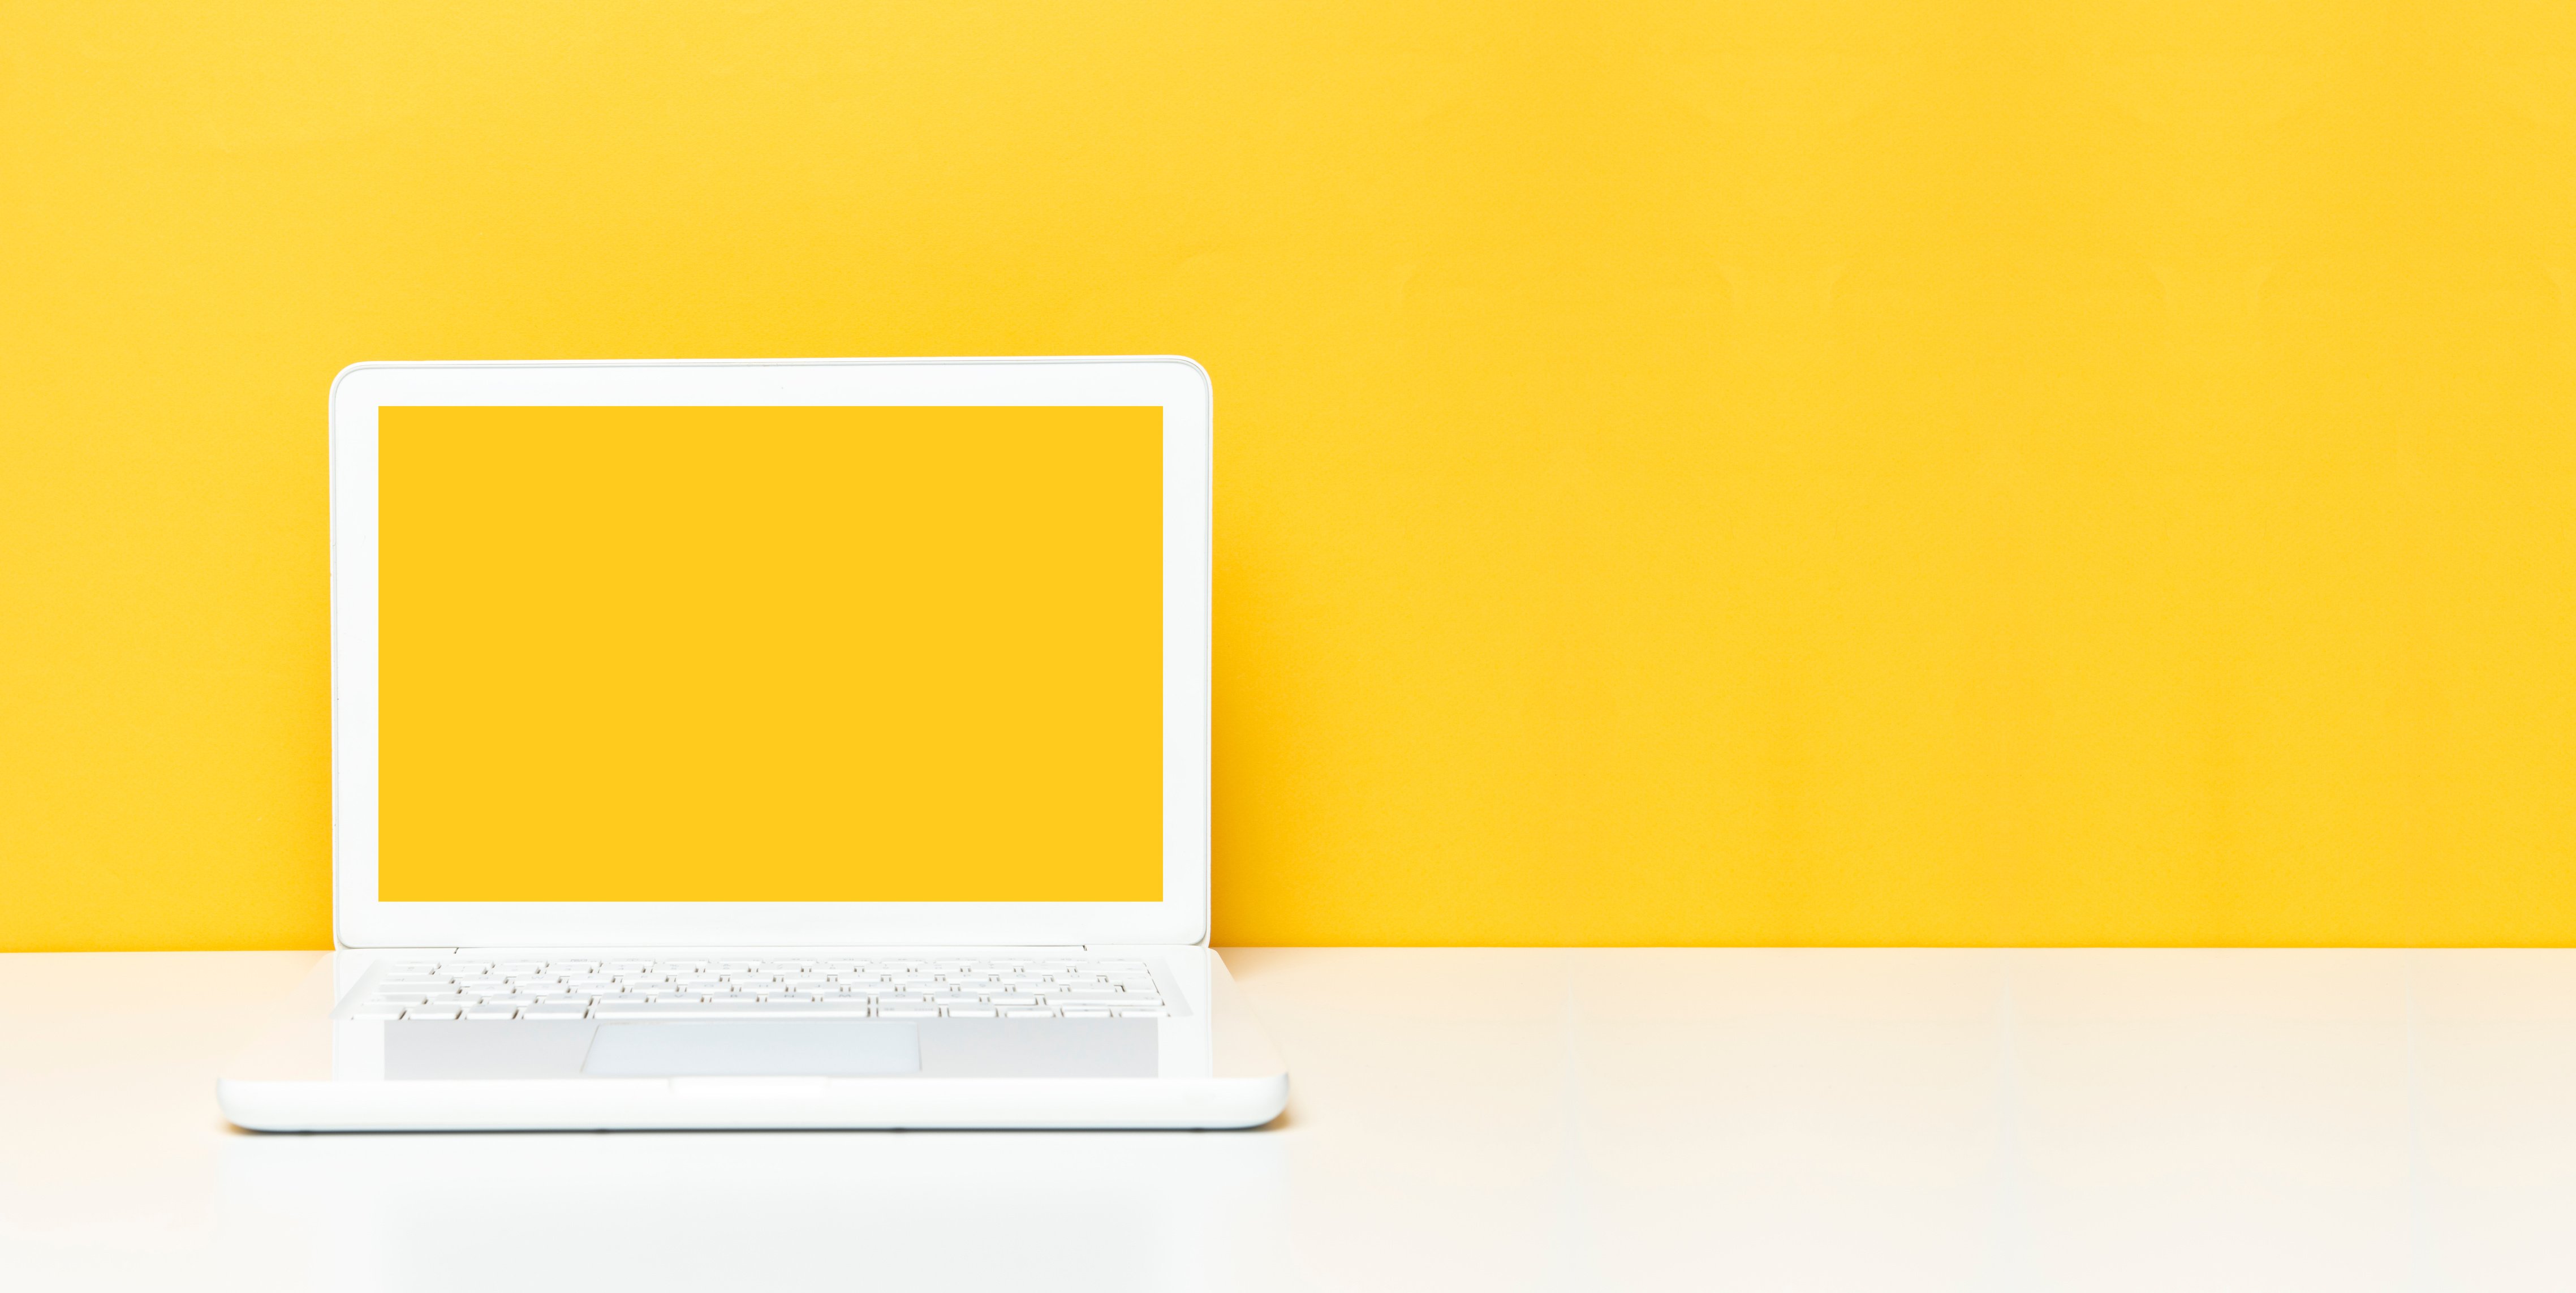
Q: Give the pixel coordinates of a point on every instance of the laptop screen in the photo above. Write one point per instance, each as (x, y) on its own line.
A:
(747, 654)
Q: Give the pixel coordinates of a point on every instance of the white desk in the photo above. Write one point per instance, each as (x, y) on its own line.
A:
(1460, 1119)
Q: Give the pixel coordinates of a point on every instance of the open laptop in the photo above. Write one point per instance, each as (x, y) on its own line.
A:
(769, 744)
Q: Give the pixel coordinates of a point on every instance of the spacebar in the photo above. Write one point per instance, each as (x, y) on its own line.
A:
(730, 1010)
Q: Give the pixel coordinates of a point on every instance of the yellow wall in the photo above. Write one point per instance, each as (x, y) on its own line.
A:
(1793, 471)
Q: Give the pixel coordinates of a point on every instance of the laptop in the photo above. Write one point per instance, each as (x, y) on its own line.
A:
(731, 744)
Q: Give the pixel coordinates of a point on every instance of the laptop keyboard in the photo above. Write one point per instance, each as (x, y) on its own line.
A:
(710, 989)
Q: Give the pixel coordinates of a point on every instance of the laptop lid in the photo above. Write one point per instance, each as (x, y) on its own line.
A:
(795, 652)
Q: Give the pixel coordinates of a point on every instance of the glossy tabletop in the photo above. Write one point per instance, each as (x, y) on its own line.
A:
(1473, 1119)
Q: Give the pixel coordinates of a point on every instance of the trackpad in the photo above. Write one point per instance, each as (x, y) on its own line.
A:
(756, 1048)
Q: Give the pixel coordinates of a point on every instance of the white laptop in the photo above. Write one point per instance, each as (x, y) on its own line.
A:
(769, 744)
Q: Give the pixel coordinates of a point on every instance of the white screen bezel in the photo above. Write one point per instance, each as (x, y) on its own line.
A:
(1178, 385)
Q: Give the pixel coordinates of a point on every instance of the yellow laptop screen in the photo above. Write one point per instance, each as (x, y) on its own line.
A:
(770, 654)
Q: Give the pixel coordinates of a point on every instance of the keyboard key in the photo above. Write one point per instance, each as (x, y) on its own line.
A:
(376, 1012)
(972, 1012)
(430, 1012)
(1028, 1012)
(731, 1010)
(1085, 1012)
(489, 1011)
(553, 1012)
(1131, 1013)
(907, 1012)
(397, 999)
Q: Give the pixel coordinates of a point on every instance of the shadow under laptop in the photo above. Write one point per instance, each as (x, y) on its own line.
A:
(1060, 1210)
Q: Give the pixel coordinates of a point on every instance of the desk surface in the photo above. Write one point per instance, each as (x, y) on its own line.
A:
(1474, 1119)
